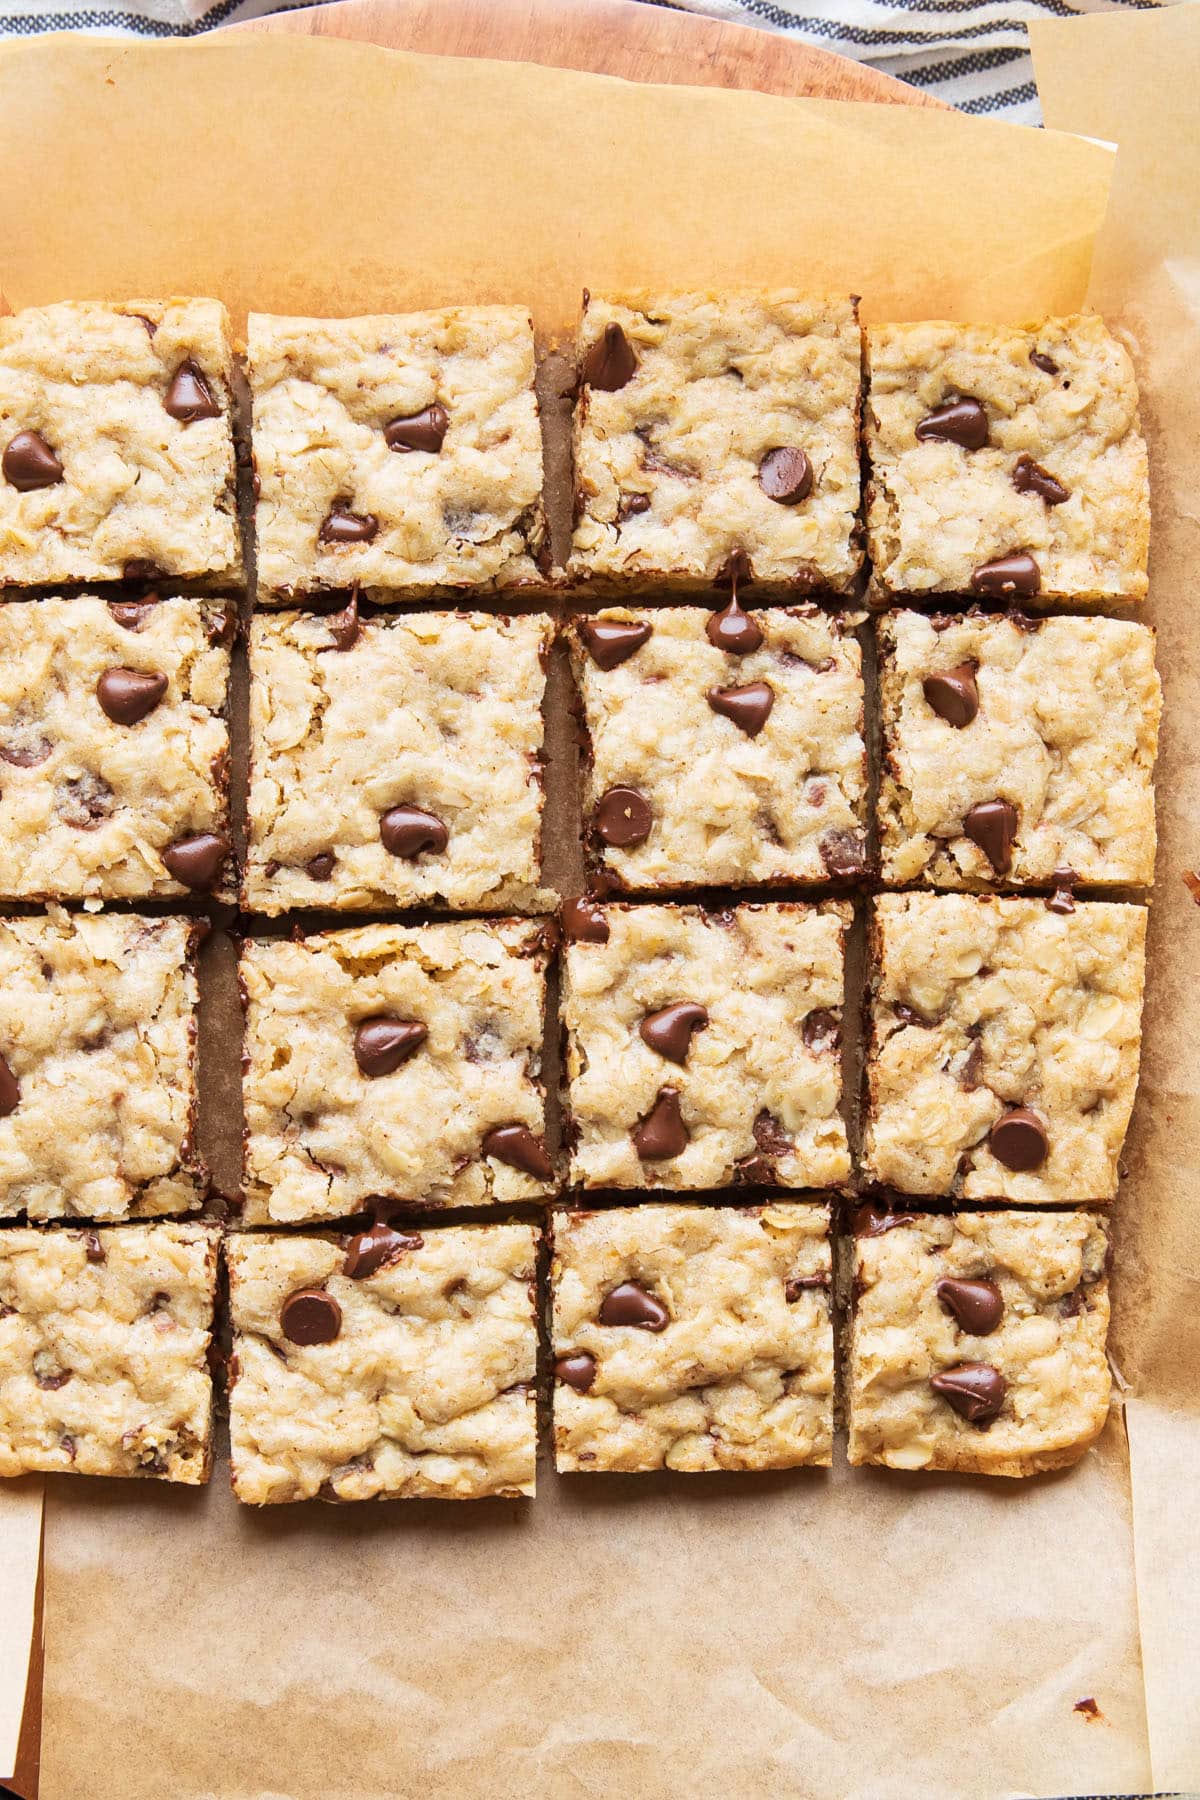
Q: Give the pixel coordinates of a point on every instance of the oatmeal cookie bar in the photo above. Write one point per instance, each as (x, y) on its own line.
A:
(97, 1066)
(114, 750)
(1018, 750)
(401, 454)
(394, 1060)
(705, 1048)
(1005, 1039)
(692, 1338)
(116, 444)
(717, 427)
(977, 1340)
(396, 761)
(104, 1339)
(1005, 462)
(397, 1365)
(725, 748)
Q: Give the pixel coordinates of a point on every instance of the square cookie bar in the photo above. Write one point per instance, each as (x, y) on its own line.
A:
(104, 1339)
(692, 1338)
(401, 1061)
(1005, 461)
(711, 428)
(400, 454)
(116, 444)
(704, 1048)
(114, 749)
(1004, 1046)
(977, 1340)
(1018, 750)
(375, 1370)
(97, 1066)
(723, 748)
(396, 761)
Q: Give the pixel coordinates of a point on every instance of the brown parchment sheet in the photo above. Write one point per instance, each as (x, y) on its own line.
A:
(809, 1633)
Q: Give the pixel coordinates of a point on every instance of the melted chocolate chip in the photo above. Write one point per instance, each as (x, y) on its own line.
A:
(610, 362)
(669, 1031)
(577, 1369)
(30, 463)
(748, 707)
(10, 1089)
(630, 505)
(786, 475)
(130, 695)
(975, 1390)
(1041, 361)
(381, 1044)
(803, 1284)
(622, 817)
(520, 1149)
(976, 1305)
(93, 1249)
(873, 1221)
(189, 396)
(409, 832)
(1029, 477)
(962, 421)
(611, 642)
(1062, 900)
(425, 430)
(131, 615)
(85, 801)
(953, 694)
(342, 526)
(344, 626)
(733, 630)
(1018, 1140)
(993, 826)
(196, 862)
(310, 1316)
(1016, 574)
(320, 867)
(662, 1134)
(822, 1029)
(583, 921)
(844, 855)
(371, 1250)
(28, 751)
(631, 1304)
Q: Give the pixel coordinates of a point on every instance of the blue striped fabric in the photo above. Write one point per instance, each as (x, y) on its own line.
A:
(972, 53)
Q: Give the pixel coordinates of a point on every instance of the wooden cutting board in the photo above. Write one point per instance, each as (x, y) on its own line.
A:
(606, 37)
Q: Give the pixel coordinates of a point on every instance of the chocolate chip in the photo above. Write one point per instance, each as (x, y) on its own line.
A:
(993, 826)
(131, 615)
(320, 866)
(962, 421)
(408, 831)
(47, 1373)
(425, 430)
(30, 463)
(669, 1031)
(197, 861)
(611, 642)
(1062, 900)
(344, 626)
(128, 695)
(630, 1304)
(975, 1390)
(662, 1133)
(844, 855)
(822, 1030)
(369, 1251)
(770, 1136)
(381, 1044)
(85, 801)
(623, 817)
(310, 1316)
(748, 707)
(1029, 477)
(630, 505)
(873, 1221)
(733, 630)
(10, 1089)
(577, 1369)
(786, 475)
(1018, 1140)
(803, 1284)
(970, 1075)
(1041, 361)
(908, 1015)
(737, 568)
(1017, 574)
(977, 1305)
(140, 568)
(520, 1149)
(189, 396)
(93, 1249)
(342, 526)
(27, 751)
(610, 362)
(583, 921)
(953, 694)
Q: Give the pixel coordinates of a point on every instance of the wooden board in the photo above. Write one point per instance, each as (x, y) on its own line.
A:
(606, 37)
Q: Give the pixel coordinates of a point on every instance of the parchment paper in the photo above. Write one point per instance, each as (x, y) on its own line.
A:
(801, 1634)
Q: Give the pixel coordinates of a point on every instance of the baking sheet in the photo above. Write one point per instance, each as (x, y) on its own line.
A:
(805, 1633)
